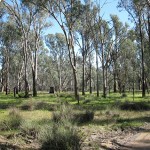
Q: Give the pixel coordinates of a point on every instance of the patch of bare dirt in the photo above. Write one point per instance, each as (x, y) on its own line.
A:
(18, 142)
(128, 139)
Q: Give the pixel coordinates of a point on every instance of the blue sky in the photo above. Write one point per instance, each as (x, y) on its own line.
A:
(107, 9)
(111, 8)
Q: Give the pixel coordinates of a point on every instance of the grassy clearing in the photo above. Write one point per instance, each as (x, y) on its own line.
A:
(44, 111)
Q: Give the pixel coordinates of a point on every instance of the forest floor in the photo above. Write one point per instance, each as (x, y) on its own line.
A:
(119, 123)
(130, 139)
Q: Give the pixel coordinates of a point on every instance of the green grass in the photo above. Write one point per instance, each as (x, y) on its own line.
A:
(107, 111)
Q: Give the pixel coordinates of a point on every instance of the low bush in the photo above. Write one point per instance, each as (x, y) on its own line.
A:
(86, 101)
(28, 106)
(66, 113)
(124, 95)
(136, 106)
(14, 120)
(63, 113)
(59, 137)
(21, 95)
(29, 128)
(44, 106)
(83, 117)
(61, 134)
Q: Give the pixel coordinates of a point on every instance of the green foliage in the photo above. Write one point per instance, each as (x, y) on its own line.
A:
(13, 121)
(124, 95)
(59, 137)
(39, 105)
(15, 118)
(44, 106)
(28, 106)
(136, 106)
(84, 117)
(30, 128)
(62, 135)
(21, 95)
(64, 113)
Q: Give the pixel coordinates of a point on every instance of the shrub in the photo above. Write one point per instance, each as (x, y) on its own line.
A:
(86, 101)
(124, 95)
(84, 117)
(62, 134)
(134, 106)
(29, 128)
(44, 105)
(15, 118)
(28, 106)
(21, 95)
(59, 137)
(117, 104)
(64, 113)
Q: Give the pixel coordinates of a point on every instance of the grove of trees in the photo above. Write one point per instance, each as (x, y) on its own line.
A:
(88, 54)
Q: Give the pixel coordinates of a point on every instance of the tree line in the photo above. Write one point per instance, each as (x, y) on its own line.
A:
(90, 54)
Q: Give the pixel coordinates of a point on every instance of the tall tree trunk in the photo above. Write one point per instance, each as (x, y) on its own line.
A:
(75, 85)
(2, 77)
(60, 83)
(83, 74)
(97, 73)
(59, 76)
(142, 52)
(149, 26)
(90, 71)
(72, 58)
(34, 74)
(7, 70)
(115, 81)
(103, 70)
(34, 84)
(26, 82)
(25, 70)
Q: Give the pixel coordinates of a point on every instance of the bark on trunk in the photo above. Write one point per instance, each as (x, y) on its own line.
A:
(75, 85)
(83, 73)
(34, 84)
(25, 69)
(142, 51)
(103, 70)
(90, 75)
(115, 81)
(97, 72)
(34, 74)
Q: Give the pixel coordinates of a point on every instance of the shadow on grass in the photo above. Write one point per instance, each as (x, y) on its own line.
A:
(139, 119)
(124, 122)
(101, 122)
(12, 103)
(135, 106)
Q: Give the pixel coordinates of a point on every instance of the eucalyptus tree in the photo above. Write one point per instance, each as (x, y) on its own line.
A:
(38, 24)
(135, 10)
(95, 41)
(106, 49)
(59, 54)
(127, 60)
(9, 39)
(102, 41)
(30, 23)
(117, 31)
(83, 40)
(23, 24)
(65, 14)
